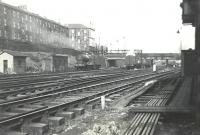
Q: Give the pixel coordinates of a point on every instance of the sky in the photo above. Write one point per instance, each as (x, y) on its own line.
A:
(122, 24)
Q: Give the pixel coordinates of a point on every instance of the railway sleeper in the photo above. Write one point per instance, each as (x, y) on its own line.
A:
(90, 106)
(56, 124)
(78, 111)
(16, 133)
(66, 114)
(36, 129)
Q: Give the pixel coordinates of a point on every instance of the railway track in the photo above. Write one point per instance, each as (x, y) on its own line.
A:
(65, 100)
(70, 89)
(144, 123)
(27, 80)
(8, 95)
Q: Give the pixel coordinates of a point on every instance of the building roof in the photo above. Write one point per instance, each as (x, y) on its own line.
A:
(78, 26)
(14, 53)
(61, 55)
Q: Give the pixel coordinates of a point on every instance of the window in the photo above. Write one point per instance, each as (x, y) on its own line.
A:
(22, 19)
(5, 22)
(85, 31)
(14, 25)
(18, 14)
(72, 38)
(85, 38)
(26, 28)
(26, 37)
(78, 33)
(18, 36)
(31, 38)
(4, 10)
(13, 35)
(30, 29)
(5, 33)
(26, 16)
(72, 31)
(37, 31)
(23, 31)
(18, 26)
(30, 19)
(79, 41)
(14, 13)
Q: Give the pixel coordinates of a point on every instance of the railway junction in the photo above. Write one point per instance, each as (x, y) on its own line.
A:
(136, 102)
(52, 82)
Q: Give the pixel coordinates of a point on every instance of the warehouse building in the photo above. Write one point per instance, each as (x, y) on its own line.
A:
(81, 36)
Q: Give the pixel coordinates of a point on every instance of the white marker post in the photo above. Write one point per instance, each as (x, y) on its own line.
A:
(103, 102)
(154, 68)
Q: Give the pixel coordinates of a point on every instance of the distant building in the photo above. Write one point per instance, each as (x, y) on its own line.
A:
(20, 29)
(82, 37)
(115, 58)
(23, 31)
(98, 49)
(12, 62)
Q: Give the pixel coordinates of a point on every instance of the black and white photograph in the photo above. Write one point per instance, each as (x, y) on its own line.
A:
(99, 67)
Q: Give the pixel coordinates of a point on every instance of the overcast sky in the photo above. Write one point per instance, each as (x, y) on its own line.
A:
(125, 24)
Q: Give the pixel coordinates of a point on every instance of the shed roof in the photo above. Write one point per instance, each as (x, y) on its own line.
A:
(14, 53)
(62, 55)
(78, 26)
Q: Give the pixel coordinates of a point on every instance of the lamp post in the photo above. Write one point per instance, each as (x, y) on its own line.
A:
(179, 32)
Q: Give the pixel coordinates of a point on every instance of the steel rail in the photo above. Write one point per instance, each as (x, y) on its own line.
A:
(53, 93)
(147, 125)
(71, 103)
(78, 81)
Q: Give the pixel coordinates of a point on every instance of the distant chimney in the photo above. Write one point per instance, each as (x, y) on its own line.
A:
(23, 7)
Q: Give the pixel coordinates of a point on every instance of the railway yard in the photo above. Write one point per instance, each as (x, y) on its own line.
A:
(99, 67)
(137, 102)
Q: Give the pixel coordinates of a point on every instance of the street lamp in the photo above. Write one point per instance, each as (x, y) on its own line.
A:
(179, 32)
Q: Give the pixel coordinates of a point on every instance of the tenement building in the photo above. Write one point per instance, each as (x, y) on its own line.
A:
(81, 36)
(20, 28)
(24, 31)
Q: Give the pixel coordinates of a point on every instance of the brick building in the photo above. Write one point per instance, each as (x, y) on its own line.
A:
(82, 37)
(25, 28)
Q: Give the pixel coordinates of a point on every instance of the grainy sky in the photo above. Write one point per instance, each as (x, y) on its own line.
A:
(150, 25)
